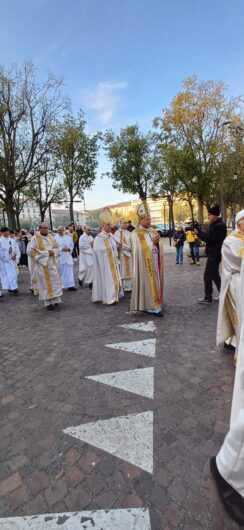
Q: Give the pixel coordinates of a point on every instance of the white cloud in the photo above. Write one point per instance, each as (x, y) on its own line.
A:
(105, 98)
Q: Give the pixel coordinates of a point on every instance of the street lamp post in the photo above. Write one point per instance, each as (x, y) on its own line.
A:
(222, 205)
(235, 177)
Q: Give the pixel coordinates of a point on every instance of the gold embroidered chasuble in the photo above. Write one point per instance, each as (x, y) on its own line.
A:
(147, 285)
(45, 271)
(228, 324)
(107, 287)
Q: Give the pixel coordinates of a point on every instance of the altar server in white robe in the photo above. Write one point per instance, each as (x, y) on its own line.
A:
(107, 286)
(9, 257)
(65, 260)
(44, 252)
(123, 238)
(85, 274)
(228, 466)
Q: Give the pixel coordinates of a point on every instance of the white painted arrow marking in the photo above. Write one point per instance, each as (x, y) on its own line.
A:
(141, 347)
(127, 437)
(140, 326)
(138, 381)
(133, 519)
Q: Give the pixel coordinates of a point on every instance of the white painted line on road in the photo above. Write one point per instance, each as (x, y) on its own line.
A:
(139, 381)
(133, 519)
(127, 437)
(141, 347)
(140, 326)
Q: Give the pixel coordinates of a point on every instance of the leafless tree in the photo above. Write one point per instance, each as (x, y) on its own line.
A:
(28, 113)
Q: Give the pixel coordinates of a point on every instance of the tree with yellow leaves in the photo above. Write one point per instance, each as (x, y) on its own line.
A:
(194, 121)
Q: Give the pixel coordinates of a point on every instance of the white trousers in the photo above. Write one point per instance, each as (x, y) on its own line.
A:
(230, 459)
(127, 284)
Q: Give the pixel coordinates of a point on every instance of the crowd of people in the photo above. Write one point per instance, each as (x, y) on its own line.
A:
(131, 260)
(115, 262)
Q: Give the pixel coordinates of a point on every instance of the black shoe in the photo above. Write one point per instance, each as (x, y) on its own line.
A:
(49, 308)
(80, 283)
(13, 291)
(90, 286)
(229, 347)
(232, 501)
(72, 289)
(205, 301)
(159, 314)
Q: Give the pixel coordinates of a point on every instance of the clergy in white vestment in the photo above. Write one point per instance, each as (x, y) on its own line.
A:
(228, 326)
(147, 258)
(9, 257)
(123, 238)
(107, 286)
(228, 466)
(65, 260)
(44, 252)
(85, 274)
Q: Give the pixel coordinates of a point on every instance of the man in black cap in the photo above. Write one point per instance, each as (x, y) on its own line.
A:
(213, 238)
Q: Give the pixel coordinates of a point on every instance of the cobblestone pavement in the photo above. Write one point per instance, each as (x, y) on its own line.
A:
(43, 390)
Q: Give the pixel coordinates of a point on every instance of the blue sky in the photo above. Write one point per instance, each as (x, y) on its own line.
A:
(123, 60)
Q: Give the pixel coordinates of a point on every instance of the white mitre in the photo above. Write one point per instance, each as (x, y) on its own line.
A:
(106, 216)
(239, 216)
(142, 210)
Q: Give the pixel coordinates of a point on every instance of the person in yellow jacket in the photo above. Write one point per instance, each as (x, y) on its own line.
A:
(74, 236)
(192, 239)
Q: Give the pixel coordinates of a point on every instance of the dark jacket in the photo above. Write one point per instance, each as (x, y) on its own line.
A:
(214, 238)
(179, 238)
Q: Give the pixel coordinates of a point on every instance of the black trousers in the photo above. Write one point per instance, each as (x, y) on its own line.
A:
(211, 274)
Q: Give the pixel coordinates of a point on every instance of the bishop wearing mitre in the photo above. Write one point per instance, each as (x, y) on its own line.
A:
(147, 257)
(107, 286)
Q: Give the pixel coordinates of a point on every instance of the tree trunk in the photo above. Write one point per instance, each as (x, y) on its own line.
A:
(200, 210)
(10, 211)
(50, 216)
(71, 208)
(142, 194)
(17, 220)
(224, 211)
(191, 208)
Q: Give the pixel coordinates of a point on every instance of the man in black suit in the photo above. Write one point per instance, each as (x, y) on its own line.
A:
(213, 238)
